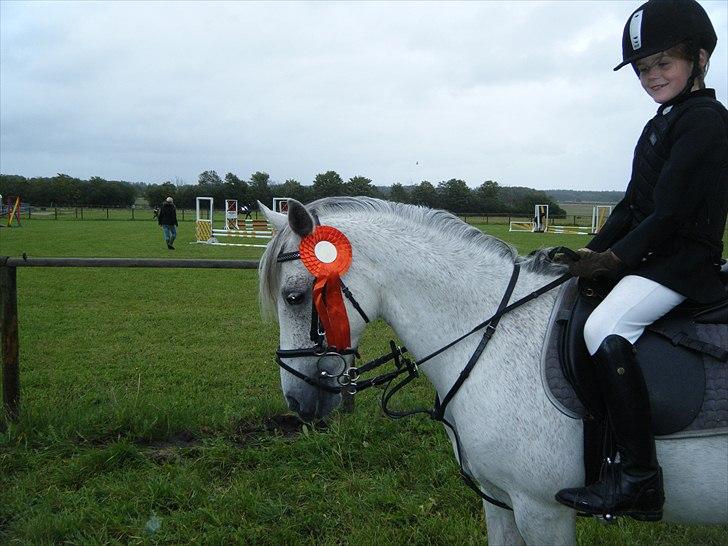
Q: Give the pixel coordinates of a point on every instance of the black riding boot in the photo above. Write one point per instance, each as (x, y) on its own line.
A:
(633, 486)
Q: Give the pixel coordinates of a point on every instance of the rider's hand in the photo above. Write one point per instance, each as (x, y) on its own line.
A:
(591, 264)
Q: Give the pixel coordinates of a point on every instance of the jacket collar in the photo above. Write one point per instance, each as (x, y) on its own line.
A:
(667, 107)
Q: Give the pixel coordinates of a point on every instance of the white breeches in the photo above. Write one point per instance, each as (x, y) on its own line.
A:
(628, 309)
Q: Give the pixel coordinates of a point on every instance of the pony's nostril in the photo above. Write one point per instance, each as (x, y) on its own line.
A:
(293, 404)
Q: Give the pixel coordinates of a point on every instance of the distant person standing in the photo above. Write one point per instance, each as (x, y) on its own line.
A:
(167, 218)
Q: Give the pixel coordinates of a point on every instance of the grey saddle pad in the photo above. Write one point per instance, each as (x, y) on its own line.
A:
(713, 416)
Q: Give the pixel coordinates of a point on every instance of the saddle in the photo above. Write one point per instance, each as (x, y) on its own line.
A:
(683, 357)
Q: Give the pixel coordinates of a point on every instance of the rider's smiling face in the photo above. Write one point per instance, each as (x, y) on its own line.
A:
(663, 76)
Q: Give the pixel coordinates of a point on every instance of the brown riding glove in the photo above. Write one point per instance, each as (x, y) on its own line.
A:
(591, 264)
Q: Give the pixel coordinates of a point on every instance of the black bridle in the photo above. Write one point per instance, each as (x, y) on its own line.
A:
(348, 378)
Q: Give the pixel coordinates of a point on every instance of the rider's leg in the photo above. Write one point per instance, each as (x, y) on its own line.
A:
(632, 305)
(635, 486)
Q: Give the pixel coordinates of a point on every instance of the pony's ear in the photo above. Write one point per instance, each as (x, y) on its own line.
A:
(299, 218)
(277, 219)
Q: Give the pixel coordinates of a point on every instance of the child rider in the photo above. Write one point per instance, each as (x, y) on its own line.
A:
(663, 241)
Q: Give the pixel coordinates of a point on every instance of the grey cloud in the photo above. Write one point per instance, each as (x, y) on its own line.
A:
(521, 92)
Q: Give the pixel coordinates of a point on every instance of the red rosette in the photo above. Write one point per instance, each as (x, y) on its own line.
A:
(325, 252)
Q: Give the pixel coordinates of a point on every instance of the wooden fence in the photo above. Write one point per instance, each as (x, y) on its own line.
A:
(9, 306)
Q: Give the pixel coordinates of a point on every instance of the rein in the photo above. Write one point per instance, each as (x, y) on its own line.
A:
(348, 378)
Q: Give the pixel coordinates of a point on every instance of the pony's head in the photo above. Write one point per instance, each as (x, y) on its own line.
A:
(387, 255)
(301, 273)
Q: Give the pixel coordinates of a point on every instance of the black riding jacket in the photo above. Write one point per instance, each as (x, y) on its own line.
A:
(669, 226)
(167, 215)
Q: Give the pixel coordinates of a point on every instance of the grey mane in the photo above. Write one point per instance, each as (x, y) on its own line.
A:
(443, 221)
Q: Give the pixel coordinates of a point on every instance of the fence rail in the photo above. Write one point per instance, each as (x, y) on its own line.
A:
(100, 213)
(127, 262)
(9, 305)
(86, 213)
(187, 215)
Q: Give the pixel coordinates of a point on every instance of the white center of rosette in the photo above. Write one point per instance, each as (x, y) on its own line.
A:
(325, 251)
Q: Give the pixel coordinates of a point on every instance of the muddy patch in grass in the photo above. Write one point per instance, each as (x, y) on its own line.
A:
(183, 438)
(243, 433)
(285, 425)
(167, 450)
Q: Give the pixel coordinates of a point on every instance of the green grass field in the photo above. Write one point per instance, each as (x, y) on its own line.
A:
(152, 413)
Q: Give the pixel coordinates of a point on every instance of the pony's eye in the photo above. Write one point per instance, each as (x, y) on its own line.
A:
(295, 298)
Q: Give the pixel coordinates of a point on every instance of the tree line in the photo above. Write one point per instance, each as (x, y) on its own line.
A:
(453, 195)
(585, 196)
(63, 190)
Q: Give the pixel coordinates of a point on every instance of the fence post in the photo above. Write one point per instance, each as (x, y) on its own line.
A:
(132, 212)
(9, 340)
(81, 213)
(55, 210)
(107, 213)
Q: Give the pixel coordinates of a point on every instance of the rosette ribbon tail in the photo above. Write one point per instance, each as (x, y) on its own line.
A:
(331, 311)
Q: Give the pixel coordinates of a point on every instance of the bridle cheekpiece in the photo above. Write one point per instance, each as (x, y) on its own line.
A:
(326, 253)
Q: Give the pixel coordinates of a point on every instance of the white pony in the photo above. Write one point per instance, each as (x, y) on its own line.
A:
(432, 278)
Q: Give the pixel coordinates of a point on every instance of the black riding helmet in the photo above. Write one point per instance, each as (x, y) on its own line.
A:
(659, 25)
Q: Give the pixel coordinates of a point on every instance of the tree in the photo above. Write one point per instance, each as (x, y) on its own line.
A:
(187, 196)
(487, 197)
(259, 188)
(292, 189)
(425, 194)
(456, 196)
(236, 188)
(94, 192)
(231, 179)
(67, 189)
(210, 178)
(521, 200)
(398, 193)
(359, 185)
(157, 193)
(327, 184)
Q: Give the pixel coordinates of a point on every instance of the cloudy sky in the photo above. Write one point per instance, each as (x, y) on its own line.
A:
(521, 92)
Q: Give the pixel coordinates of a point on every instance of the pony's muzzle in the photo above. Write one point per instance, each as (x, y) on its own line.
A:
(306, 415)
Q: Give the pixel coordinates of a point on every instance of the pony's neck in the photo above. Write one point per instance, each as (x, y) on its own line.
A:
(433, 290)
(430, 302)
